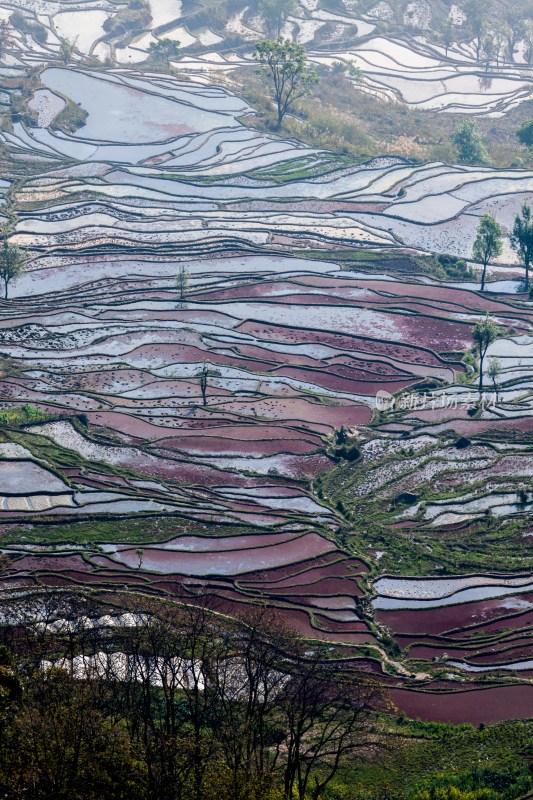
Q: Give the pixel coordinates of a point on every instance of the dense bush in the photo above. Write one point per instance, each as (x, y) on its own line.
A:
(22, 415)
(481, 784)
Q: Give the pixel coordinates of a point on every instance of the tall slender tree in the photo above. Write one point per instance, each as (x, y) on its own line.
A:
(488, 244)
(521, 238)
(485, 332)
(328, 715)
(182, 282)
(447, 34)
(494, 371)
(204, 374)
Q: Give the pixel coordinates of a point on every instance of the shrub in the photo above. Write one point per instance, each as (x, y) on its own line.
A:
(136, 16)
(525, 133)
(29, 26)
(70, 119)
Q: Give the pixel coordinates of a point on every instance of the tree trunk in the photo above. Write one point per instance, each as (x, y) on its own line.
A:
(481, 358)
(5, 289)
(483, 276)
(527, 276)
(280, 117)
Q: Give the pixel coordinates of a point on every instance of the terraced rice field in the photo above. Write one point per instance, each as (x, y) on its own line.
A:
(132, 481)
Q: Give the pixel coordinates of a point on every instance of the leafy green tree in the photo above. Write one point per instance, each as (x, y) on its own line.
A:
(521, 238)
(488, 243)
(182, 282)
(60, 745)
(469, 144)
(494, 370)
(285, 67)
(163, 51)
(12, 262)
(525, 133)
(67, 48)
(485, 332)
(275, 14)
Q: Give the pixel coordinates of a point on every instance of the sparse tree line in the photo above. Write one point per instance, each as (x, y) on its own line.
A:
(288, 78)
(179, 704)
(488, 244)
(495, 29)
(470, 147)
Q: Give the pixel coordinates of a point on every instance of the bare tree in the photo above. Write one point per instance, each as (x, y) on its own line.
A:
(328, 715)
(249, 682)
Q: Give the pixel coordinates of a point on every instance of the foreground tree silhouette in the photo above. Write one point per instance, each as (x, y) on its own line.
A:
(177, 703)
(60, 745)
(521, 238)
(488, 243)
(12, 262)
(485, 332)
(284, 66)
(244, 706)
(327, 716)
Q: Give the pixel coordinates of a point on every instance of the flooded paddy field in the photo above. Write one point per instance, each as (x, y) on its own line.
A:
(227, 439)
